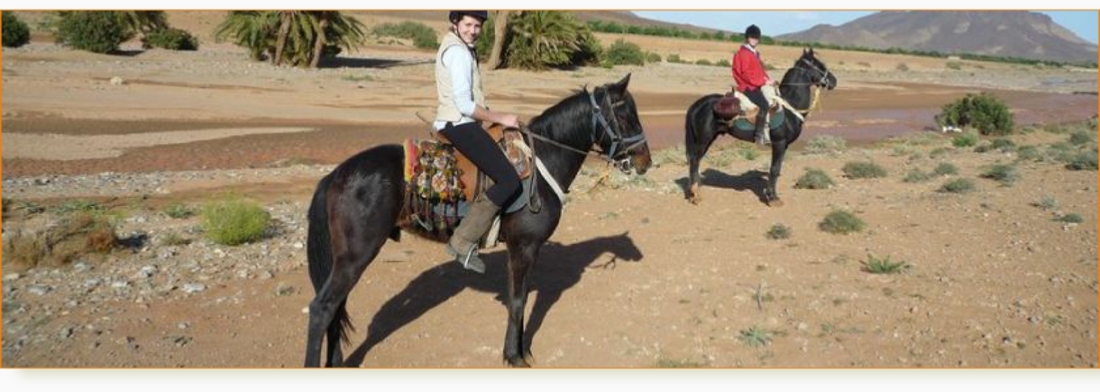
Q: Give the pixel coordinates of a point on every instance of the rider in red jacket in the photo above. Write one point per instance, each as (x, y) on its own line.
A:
(748, 71)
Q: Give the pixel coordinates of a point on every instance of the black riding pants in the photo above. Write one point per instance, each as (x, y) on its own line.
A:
(475, 143)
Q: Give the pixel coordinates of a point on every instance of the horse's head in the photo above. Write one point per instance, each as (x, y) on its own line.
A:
(817, 71)
(618, 130)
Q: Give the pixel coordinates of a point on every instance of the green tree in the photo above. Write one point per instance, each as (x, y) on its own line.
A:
(16, 33)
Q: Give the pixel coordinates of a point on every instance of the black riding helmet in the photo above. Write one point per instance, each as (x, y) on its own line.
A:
(752, 32)
(455, 16)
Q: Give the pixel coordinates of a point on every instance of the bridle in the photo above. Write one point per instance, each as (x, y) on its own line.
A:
(618, 153)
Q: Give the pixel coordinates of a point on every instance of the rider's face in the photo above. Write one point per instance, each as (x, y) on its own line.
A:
(754, 41)
(469, 28)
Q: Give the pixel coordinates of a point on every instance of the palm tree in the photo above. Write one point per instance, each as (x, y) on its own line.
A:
(299, 38)
(500, 35)
(251, 29)
(542, 39)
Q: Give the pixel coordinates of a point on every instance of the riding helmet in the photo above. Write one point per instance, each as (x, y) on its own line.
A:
(455, 16)
(752, 32)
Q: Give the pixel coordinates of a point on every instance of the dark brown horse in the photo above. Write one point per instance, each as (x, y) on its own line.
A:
(356, 208)
(702, 126)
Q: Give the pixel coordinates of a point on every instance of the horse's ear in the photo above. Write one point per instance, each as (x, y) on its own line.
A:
(811, 51)
(805, 50)
(621, 85)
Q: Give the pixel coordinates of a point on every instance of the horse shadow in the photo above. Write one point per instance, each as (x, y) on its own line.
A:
(355, 62)
(752, 180)
(558, 269)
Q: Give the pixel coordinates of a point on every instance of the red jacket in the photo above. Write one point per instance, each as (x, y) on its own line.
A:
(748, 70)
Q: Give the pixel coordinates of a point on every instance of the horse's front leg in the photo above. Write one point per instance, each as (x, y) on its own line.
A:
(521, 261)
(779, 149)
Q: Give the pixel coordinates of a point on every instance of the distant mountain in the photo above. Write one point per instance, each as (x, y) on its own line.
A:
(997, 33)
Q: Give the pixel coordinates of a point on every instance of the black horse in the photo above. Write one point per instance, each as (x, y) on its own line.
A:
(702, 127)
(359, 205)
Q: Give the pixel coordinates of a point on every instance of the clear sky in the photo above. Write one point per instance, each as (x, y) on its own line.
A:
(1083, 23)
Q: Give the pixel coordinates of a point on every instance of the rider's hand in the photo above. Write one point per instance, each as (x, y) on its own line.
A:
(509, 121)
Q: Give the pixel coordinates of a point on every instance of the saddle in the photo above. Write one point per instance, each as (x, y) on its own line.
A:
(736, 109)
(440, 180)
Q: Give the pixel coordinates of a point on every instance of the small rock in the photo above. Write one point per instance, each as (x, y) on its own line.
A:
(147, 271)
(81, 267)
(66, 332)
(91, 283)
(120, 284)
(117, 81)
(265, 275)
(11, 277)
(193, 287)
(38, 289)
(298, 245)
(183, 325)
(284, 290)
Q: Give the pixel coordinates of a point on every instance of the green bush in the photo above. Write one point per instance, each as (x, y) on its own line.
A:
(938, 152)
(1082, 137)
(944, 169)
(544, 39)
(863, 170)
(1084, 160)
(702, 62)
(876, 265)
(423, 37)
(16, 33)
(841, 222)
(986, 113)
(722, 63)
(814, 179)
(93, 31)
(652, 57)
(1005, 174)
(965, 140)
(778, 231)
(674, 58)
(955, 65)
(234, 221)
(827, 144)
(1029, 153)
(1070, 218)
(958, 185)
(171, 39)
(916, 175)
(624, 53)
(1003, 145)
(178, 211)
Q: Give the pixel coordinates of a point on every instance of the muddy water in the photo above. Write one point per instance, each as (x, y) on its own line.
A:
(858, 115)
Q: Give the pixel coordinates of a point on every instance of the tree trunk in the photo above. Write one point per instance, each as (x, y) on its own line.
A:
(280, 40)
(500, 32)
(319, 42)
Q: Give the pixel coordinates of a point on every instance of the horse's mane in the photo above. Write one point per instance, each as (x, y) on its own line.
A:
(557, 121)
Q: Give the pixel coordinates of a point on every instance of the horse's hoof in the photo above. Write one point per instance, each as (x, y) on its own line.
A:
(518, 362)
(775, 203)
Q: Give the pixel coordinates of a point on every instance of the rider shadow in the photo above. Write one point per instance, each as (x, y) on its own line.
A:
(752, 180)
(559, 268)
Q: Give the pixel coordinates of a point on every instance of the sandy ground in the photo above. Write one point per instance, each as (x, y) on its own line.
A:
(634, 277)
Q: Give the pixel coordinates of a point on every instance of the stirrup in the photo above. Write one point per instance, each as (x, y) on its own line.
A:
(468, 260)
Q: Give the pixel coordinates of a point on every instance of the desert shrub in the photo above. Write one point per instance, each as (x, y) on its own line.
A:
(938, 152)
(674, 58)
(234, 221)
(652, 57)
(1004, 174)
(955, 65)
(958, 185)
(778, 231)
(1047, 202)
(93, 31)
(902, 67)
(722, 63)
(15, 32)
(984, 112)
(702, 62)
(755, 337)
(863, 170)
(625, 53)
(423, 36)
(814, 179)
(1082, 137)
(841, 222)
(876, 265)
(178, 211)
(1084, 160)
(1070, 218)
(171, 39)
(916, 175)
(73, 236)
(825, 144)
(1028, 153)
(944, 169)
(965, 140)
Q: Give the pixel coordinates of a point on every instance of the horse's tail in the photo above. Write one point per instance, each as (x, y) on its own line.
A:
(319, 252)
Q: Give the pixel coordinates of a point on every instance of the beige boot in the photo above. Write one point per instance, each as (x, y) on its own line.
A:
(463, 244)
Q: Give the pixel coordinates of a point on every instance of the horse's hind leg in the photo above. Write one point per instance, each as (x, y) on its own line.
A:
(521, 261)
(328, 311)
